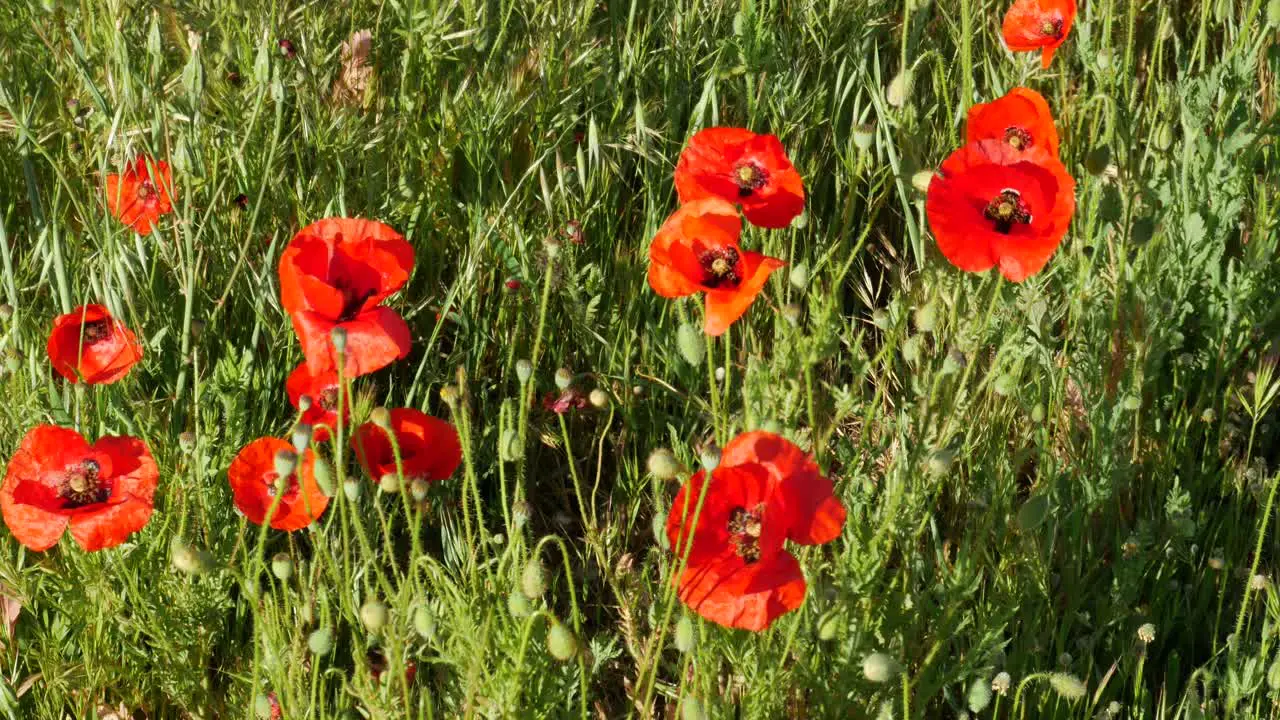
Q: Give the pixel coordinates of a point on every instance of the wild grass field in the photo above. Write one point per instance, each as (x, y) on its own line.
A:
(1059, 492)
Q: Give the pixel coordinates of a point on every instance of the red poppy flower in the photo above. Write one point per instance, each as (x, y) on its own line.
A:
(429, 447)
(323, 391)
(1038, 25)
(764, 491)
(89, 344)
(254, 482)
(563, 402)
(739, 166)
(994, 205)
(334, 273)
(697, 250)
(141, 194)
(1021, 118)
(104, 492)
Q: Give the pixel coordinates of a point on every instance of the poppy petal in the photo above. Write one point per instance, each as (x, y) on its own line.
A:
(375, 339)
(110, 525)
(735, 594)
(724, 307)
(816, 516)
(1022, 110)
(674, 270)
(34, 527)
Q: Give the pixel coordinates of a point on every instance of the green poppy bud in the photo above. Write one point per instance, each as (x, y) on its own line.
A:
(352, 489)
(424, 621)
(418, 488)
(1098, 159)
(262, 707)
(524, 371)
(599, 399)
(321, 641)
(925, 317)
(338, 336)
(879, 668)
(799, 275)
(1068, 686)
(389, 483)
(374, 615)
(899, 90)
(686, 637)
(301, 437)
(533, 580)
(518, 605)
(381, 417)
(979, 696)
(690, 342)
(864, 136)
(561, 642)
(282, 566)
(663, 464)
(286, 461)
(323, 473)
(691, 709)
(921, 181)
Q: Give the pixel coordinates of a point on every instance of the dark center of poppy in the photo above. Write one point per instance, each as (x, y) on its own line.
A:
(1051, 28)
(146, 190)
(352, 301)
(95, 331)
(720, 267)
(329, 399)
(1006, 210)
(749, 177)
(275, 485)
(1017, 137)
(745, 527)
(82, 486)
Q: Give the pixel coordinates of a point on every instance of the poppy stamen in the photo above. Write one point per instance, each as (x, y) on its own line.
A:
(749, 177)
(329, 399)
(1051, 28)
(96, 331)
(1006, 210)
(1017, 137)
(82, 486)
(146, 190)
(745, 527)
(720, 267)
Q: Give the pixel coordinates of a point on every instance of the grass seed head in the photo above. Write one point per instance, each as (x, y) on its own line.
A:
(1068, 686)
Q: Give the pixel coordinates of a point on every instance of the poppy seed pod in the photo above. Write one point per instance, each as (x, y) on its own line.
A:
(286, 461)
(381, 417)
(518, 605)
(563, 378)
(686, 636)
(374, 615)
(1068, 686)
(561, 642)
(301, 437)
(524, 371)
(282, 566)
(864, 136)
(879, 668)
(321, 641)
(663, 464)
(690, 343)
(533, 580)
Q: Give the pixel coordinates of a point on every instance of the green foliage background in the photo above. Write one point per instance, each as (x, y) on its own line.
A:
(1033, 472)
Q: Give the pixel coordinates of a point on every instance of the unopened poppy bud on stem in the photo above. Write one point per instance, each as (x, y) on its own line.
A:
(304, 403)
(710, 457)
(449, 394)
(374, 615)
(899, 89)
(188, 559)
(518, 605)
(381, 417)
(524, 371)
(690, 342)
(352, 489)
(418, 488)
(533, 580)
(339, 338)
(389, 483)
(285, 463)
(323, 473)
(921, 180)
(879, 668)
(599, 399)
(301, 437)
(663, 464)
(561, 642)
(282, 566)
(864, 136)
(321, 641)
(686, 637)
(564, 378)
